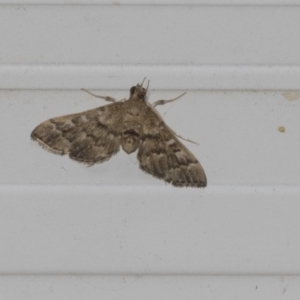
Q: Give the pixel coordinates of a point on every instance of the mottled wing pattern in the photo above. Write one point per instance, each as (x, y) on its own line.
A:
(162, 155)
(89, 137)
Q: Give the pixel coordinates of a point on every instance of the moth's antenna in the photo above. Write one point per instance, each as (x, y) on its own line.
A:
(143, 82)
(147, 86)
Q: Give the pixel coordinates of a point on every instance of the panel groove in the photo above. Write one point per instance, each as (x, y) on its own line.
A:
(203, 77)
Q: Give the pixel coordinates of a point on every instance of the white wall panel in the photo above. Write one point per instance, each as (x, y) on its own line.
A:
(237, 131)
(149, 287)
(148, 35)
(156, 2)
(149, 230)
(217, 40)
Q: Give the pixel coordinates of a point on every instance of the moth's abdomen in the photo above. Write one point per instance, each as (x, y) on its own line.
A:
(131, 137)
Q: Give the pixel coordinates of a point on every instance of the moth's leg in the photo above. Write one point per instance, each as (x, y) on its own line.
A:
(162, 102)
(186, 139)
(106, 98)
(179, 136)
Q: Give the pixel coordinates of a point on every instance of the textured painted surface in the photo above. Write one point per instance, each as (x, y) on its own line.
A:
(58, 217)
(146, 287)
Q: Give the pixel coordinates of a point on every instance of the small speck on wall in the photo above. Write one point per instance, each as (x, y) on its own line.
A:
(281, 129)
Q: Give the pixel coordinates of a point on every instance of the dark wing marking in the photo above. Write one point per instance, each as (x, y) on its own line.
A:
(162, 155)
(89, 137)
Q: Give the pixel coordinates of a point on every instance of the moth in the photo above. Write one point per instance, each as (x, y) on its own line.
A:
(95, 135)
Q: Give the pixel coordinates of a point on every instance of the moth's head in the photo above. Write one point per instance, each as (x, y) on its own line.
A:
(139, 91)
